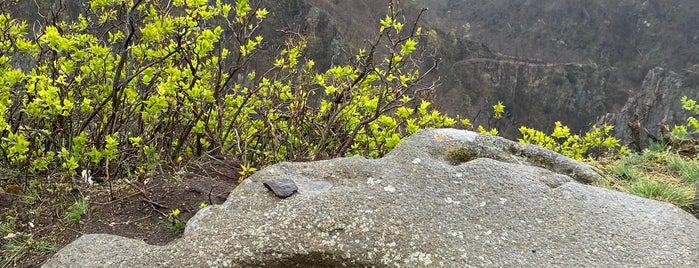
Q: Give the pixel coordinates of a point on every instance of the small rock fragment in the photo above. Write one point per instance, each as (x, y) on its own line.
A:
(281, 187)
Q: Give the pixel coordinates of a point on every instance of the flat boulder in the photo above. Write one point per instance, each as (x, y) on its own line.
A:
(442, 198)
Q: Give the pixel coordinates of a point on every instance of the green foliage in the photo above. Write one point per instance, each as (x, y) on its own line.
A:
(467, 31)
(498, 110)
(77, 210)
(174, 224)
(245, 171)
(689, 105)
(492, 131)
(626, 171)
(654, 150)
(573, 146)
(691, 129)
(125, 90)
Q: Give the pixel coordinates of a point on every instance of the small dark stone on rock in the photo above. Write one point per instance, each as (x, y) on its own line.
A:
(282, 187)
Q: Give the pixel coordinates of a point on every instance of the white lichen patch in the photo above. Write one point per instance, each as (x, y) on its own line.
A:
(386, 259)
(389, 189)
(459, 235)
(390, 258)
(417, 161)
(371, 181)
(503, 201)
(420, 257)
(300, 247)
(219, 263)
(328, 243)
(449, 200)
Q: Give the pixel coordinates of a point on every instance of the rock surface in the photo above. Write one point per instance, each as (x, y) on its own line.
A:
(656, 106)
(444, 197)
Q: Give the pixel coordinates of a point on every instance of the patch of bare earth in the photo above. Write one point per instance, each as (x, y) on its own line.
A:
(138, 207)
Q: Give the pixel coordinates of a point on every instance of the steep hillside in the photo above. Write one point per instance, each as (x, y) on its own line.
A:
(536, 95)
(631, 35)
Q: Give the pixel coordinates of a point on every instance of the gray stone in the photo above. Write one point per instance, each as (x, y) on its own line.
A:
(281, 187)
(443, 198)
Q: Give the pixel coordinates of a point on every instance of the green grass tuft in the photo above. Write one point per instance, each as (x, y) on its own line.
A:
(662, 192)
(626, 171)
(656, 173)
(688, 170)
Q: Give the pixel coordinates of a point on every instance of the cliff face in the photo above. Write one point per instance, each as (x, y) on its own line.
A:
(656, 108)
(633, 36)
(617, 42)
(536, 94)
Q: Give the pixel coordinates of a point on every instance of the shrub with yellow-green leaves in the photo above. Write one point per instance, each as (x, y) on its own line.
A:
(691, 128)
(571, 145)
(134, 82)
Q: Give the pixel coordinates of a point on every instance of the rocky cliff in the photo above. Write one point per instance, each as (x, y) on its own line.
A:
(653, 111)
(472, 76)
(536, 94)
(632, 36)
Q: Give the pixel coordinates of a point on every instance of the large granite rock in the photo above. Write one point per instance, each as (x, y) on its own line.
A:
(444, 197)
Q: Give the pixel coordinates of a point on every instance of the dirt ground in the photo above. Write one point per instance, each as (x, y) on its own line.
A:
(35, 220)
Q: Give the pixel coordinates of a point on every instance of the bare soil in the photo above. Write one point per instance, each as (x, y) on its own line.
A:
(138, 207)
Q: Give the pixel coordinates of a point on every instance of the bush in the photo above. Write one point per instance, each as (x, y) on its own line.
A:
(132, 83)
(573, 146)
(691, 128)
